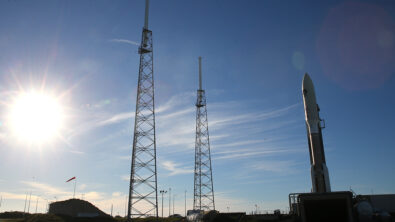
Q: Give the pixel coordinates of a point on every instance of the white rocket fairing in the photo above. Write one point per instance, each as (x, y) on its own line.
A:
(319, 171)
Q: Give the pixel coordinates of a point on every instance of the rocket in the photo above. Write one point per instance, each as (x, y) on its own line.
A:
(319, 171)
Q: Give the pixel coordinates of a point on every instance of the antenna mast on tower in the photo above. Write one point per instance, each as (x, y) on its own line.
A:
(143, 195)
(203, 198)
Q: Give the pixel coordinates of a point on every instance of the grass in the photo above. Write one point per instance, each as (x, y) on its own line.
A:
(11, 220)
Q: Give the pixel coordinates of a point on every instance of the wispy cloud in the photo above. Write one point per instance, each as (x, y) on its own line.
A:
(279, 166)
(240, 154)
(13, 196)
(125, 157)
(239, 143)
(60, 192)
(125, 41)
(116, 118)
(175, 169)
(76, 152)
(237, 132)
(125, 177)
(249, 117)
(47, 189)
(161, 111)
(94, 196)
(116, 194)
(82, 186)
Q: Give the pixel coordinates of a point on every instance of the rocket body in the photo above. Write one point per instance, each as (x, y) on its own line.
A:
(319, 171)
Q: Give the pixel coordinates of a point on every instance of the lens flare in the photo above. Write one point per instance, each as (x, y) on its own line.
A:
(35, 117)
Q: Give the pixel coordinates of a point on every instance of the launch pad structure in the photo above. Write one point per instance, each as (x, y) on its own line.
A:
(203, 198)
(143, 195)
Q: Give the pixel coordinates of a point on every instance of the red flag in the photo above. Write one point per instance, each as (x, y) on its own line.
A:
(70, 179)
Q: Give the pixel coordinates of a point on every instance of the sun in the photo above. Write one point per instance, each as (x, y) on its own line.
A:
(35, 117)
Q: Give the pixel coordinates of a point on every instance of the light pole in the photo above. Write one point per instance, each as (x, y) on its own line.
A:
(174, 197)
(28, 208)
(126, 201)
(185, 207)
(47, 207)
(36, 203)
(228, 209)
(24, 209)
(75, 184)
(30, 198)
(162, 192)
(169, 201)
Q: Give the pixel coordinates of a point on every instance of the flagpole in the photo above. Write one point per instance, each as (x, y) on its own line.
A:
(28, 208)
(24, 208)
(36, 204)
(75, 183)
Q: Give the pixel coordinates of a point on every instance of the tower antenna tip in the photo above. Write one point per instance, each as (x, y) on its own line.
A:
(200, 73)
(146, 14)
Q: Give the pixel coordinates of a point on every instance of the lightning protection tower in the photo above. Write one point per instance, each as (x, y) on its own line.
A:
(143, 196)
(203, 198)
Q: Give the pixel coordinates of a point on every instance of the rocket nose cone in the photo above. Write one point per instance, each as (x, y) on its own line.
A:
(308, 92)
(307, 84)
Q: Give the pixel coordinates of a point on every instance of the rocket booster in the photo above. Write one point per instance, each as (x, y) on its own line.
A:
(319, 171)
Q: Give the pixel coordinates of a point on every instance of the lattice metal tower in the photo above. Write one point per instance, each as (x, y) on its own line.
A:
(143, 195)
(203, 198)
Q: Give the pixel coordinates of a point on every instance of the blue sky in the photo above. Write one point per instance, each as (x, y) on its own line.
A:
(254, 56)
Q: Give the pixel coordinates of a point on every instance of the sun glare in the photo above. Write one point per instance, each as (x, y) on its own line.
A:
(35, 117)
